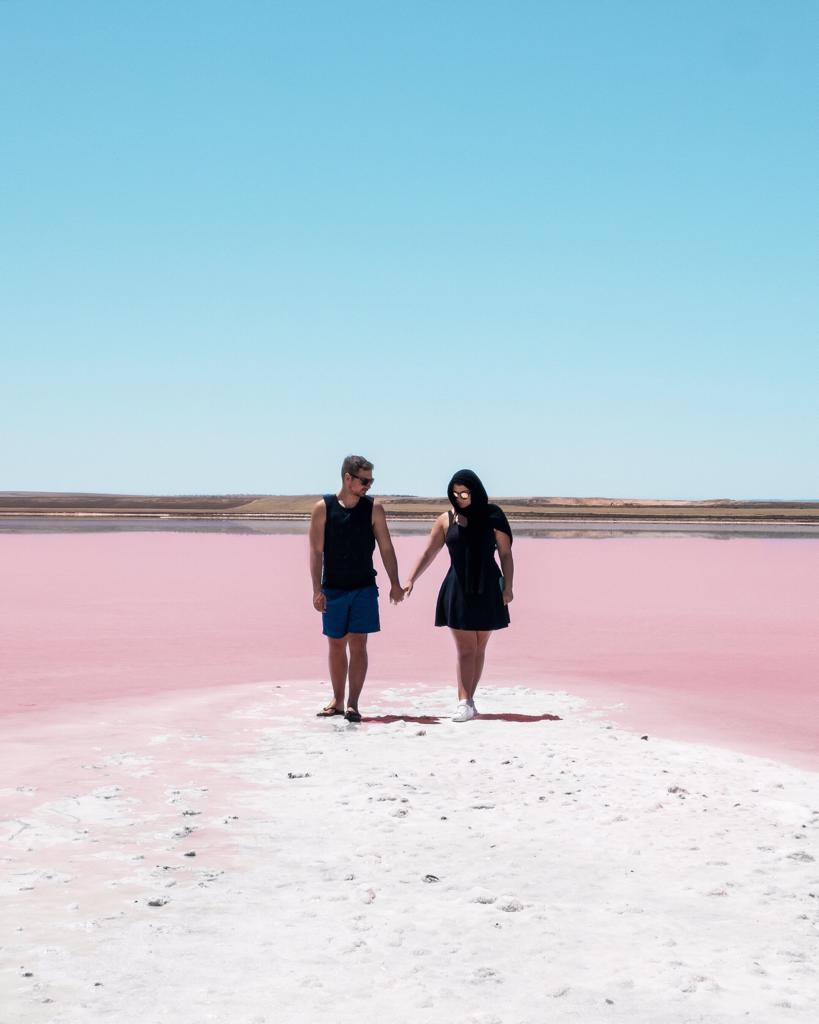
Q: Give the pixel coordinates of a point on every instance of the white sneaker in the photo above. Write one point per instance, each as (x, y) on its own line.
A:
(472, 705)
(464, 711)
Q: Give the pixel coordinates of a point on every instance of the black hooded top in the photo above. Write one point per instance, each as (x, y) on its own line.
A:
(483, 518)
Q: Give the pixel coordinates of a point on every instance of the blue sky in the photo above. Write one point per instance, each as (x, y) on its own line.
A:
(568, 244)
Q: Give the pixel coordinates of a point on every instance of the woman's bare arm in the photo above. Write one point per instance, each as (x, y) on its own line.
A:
(437, 538)
(504, 542)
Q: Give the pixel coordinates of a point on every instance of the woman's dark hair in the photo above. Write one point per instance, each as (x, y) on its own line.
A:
(483, 518)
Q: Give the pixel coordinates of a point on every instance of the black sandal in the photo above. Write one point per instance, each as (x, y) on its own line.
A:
(352, 715)
(329, 711)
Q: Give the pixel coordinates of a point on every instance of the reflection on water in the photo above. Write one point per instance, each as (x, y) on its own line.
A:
(600, 529)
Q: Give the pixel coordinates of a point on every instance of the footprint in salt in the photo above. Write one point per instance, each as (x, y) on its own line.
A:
(482, 974)
(354, 947)
(693, 983)
(510, 904)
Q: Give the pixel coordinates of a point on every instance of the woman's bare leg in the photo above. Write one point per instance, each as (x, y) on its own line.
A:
(480, 655)
(466, 646)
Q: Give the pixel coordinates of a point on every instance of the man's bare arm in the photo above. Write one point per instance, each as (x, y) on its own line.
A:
(387, 551)
(318, 518)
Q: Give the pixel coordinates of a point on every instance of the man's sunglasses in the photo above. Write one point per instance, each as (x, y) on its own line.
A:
(366, 480)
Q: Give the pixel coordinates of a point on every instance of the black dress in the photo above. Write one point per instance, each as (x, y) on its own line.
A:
(460, 610)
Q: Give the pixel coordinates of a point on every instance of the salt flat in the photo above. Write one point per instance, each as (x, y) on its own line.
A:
(228, 857)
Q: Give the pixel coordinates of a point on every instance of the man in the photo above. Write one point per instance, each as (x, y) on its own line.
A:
(344, 529)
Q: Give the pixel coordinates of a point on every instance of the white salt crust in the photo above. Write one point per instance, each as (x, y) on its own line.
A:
(234, 859)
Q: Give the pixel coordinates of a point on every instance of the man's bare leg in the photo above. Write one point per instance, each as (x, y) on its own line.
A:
(337, 660)
(358, 666)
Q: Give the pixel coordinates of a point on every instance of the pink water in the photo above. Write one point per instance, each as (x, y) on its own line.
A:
(702, 639)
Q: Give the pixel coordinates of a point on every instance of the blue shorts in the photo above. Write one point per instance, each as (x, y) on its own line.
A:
(350, 611)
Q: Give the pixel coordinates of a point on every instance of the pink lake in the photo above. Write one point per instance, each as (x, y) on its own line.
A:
(691, 638)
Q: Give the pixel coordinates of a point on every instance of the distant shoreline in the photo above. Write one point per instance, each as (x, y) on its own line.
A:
(533, 521)
(535, 510)
(631, 517)
(544, 528)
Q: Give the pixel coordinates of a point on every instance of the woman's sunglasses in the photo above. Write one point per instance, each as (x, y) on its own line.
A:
(463, 495)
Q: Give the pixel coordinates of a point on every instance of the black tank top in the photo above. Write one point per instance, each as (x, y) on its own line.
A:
(349, 543)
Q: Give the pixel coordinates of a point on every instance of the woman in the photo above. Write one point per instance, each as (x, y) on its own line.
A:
(473, 597)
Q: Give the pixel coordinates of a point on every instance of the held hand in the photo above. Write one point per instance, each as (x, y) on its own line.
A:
(396, 593)
(508, 595)
(408, 589)
(319, 601)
